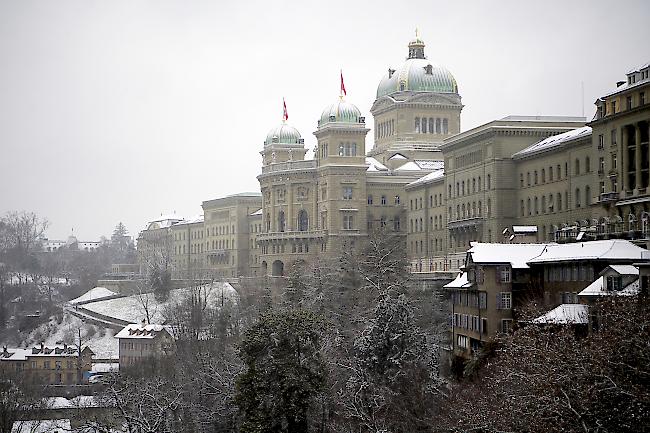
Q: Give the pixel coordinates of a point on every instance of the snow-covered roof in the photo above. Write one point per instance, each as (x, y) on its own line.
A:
(430, 164)
(565, 314)
(517, 255)
(598, 288)
(17, 354)
(409, 166)
(434, 175)
(94, 294)
(553, 142)
(257, 212)
(141, 331)
(82, 401)
(194, 220)
(611, 249)
(622, 269)
(397, 156)
(459, 282)
(164, 221)
(42, 426)
(374, 165)
(524, 229)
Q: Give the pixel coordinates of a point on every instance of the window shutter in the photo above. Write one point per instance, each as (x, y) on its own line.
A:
(497, 274)
(498, 301)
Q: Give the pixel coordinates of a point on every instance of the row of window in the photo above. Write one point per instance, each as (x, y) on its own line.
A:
(463, 189)
(535, 178)
(418, 247)
(436, 222)
(385, 129)
(473, 210)
(431, 125)
(434, 201)
(561, 273)
(554, 203)
(384, 200)
(471, 323)
(383, 222)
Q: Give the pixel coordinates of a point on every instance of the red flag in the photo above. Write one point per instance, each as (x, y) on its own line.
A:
(343, 92)
(285, 115)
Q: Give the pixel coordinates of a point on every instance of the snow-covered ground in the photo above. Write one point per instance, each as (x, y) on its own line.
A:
(130, 308)
(99, 339)
(95, 294)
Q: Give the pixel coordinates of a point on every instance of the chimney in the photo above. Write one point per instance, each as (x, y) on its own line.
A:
(42, 346)
(4, 350)
(143, 323)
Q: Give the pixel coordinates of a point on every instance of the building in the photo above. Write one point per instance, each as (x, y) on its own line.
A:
(58, 365)
(500, 278)
(318, 207)
(141, 342)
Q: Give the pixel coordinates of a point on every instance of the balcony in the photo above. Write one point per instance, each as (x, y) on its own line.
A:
(217, 253)
(278, 236)
(608, 197)
(472, 222)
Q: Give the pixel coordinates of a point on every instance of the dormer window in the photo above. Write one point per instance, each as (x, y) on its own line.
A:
(332, 118)
(275, 139)
(428, 69)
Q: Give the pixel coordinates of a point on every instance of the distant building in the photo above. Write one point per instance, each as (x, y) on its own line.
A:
(48, 365)
(139, 342)
(71, 244)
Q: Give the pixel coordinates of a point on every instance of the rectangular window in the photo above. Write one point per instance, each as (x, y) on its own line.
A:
(601, 142)
(503, 274)
(613, 137)
(463, 342)
(504, 301)
(482, 300)
(348, 222)
(506, 325)
(642, 97)
(484, 325)
(347, 193)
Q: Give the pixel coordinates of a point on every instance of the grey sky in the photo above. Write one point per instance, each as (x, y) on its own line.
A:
(120, 110)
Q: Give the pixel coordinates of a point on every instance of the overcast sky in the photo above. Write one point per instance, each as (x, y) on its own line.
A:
(122, 110)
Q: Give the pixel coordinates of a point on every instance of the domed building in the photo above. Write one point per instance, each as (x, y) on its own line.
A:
(417, 107)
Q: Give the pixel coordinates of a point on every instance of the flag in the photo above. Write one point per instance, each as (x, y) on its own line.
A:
(285, 115)
(343, 92)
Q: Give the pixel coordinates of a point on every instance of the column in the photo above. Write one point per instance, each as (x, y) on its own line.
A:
(291, 218)
(637, 155)
(622, 170)
(271, 211)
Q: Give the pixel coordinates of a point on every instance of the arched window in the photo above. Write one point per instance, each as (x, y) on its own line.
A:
(473, 184)
(577, 196)
(423, 128)
(577, 167)
(587, 195)
(438, 128)
(417, 124)
(489, 208)
(587, 165)
(479, 183)
(559, 201)
(528, 210)
(445, 126)
(370, 200)
(268, 222)
(303, 221)
(536, 206)
(543, 204)
(462, 188)
(463, 207)
(480, 208)
(550, 174)
(432, 129)
(536, 177)
(489, 182)
(543, 176)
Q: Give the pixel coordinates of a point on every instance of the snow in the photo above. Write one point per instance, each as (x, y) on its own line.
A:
(101, 343)
(524, 229)
(104, 367)
(409, 166)
(606, 250)
(430, 164)
(553, 142)
(459, 282)
(597, 288)
(397, 156)
(566, 314)
(195, 220)
(374, 165)
(76, 402)
(138, 331)
(94, 295)
(41, 426)
(517, 255)
(257, 212)
(624, 269)
(438, 174)
(129, 309)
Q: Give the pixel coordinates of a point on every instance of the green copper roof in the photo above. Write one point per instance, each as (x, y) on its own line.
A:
(340, 111)
(418, 75)
(282, 134)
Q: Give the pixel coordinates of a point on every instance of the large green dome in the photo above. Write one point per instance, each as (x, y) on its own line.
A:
(283, 134)
(340, 111)
(417, 74)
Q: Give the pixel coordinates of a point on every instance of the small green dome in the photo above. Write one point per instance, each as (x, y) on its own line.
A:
(283, 134)
(341, 111)
(417, 74)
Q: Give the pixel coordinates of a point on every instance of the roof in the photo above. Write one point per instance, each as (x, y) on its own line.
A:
(246, 194)
(459, 282)
(421, 164)
(524, 229)
(516, 255)
(431, 177)
(18, 354)
(554, 142)
(140, 331)
(94, 295)
(566, 314)
(195, 220)
(282, 134)
(257, 212)
(42, 426)
(623, 269)
(598, 288)
(397, 156)
(611, 249)
(374, 165)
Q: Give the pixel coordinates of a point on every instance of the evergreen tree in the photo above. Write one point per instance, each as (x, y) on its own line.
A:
(283, 373)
